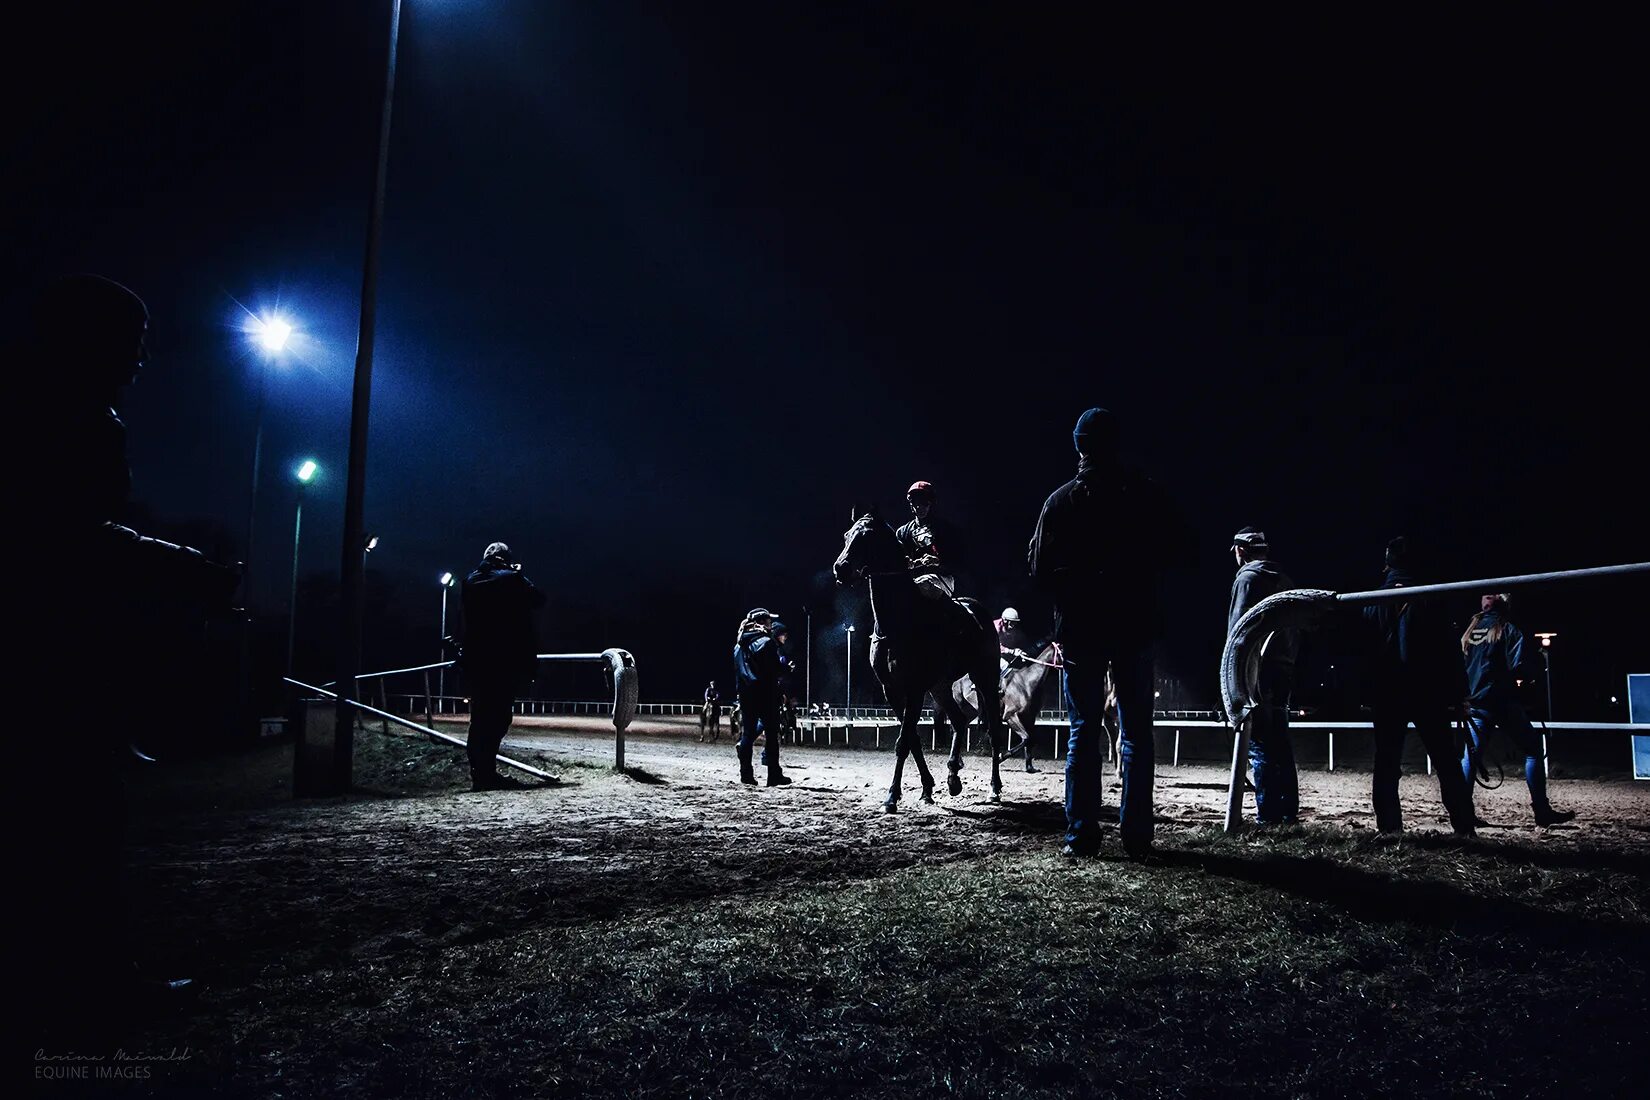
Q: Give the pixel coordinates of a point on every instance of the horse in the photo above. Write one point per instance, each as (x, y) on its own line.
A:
(1021, 697)
(710, 722)
(1022, 693)
(920, 647)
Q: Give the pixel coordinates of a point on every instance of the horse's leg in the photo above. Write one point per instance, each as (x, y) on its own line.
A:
(915, 737)
(954, 763)
(991, 714)
(907, 734)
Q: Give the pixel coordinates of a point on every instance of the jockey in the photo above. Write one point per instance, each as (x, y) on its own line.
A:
(1012, 639)
(930, 545)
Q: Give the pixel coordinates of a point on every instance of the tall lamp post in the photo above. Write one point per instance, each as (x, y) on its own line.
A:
(351, 601)
(441, 650)
(1547, 674)
(270, 335)
(850, 709)
(305, 474)
(808, 661)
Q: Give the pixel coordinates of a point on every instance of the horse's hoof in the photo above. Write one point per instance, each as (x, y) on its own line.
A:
(954, 785)
(928, 794)
(890, 805)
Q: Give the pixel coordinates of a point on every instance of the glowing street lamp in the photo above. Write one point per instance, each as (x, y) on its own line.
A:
(1547, 673)
(850, 709)
(441, 650)
(305, 474)
(269, 335)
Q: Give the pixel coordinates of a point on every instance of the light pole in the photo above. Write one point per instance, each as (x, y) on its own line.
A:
(305, 474)
(441, 650)
(850, 709)
(1547, 674)
(270, 335)
(808, 661)
(351, 605)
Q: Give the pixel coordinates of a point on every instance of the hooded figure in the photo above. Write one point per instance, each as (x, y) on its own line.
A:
(757, 664)
(500, 655)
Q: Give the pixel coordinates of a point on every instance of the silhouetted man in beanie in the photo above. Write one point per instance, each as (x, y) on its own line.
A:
(1100, 543)
(90, 612)
(1416, 678)
(500, 656)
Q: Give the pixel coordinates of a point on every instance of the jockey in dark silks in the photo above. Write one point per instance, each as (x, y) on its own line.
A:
(1493, 649)
(931, 545)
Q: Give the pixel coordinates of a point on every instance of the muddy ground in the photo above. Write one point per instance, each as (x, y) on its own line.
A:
(667, 932)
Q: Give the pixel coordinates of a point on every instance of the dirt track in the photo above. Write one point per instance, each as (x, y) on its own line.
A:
(518, 942)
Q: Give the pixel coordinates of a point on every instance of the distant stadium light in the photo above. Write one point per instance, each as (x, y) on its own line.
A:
(307, 471)
(446, 580)
(372, 542)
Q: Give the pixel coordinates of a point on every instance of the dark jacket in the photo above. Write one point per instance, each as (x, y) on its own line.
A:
(1253, 583)
(937, 541)
(756, 666)
(500, 647)
(1102, 542)
(1493, 650)
(1413, 646)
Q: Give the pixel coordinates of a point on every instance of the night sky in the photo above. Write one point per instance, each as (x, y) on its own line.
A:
(668, 289)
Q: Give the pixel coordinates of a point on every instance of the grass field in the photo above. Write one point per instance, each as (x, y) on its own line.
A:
(669, 933)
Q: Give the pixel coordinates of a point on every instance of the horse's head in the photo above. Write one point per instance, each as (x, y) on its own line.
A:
(868, 546)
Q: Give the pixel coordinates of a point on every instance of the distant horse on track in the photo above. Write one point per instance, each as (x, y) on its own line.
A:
(1023, 690)
(710, 722)
(919, 647)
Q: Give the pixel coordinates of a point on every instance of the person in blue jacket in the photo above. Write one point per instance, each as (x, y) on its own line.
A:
(757, 665)
(1493, 648)
(1414, 679)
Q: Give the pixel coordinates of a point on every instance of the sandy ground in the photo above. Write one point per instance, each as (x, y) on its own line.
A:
(375, 945)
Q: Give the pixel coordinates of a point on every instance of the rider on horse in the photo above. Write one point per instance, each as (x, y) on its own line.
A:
(930, 544)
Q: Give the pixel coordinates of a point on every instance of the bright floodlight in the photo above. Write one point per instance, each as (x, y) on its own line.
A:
(446, 580)
(372, 542)
(307, 471)
(272, 333)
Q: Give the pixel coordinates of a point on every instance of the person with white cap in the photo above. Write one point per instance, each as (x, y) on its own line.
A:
(500, 656)
(1271, 748)
(1015, 646)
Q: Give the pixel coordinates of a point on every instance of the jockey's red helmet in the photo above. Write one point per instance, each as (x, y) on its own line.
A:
(920, 490)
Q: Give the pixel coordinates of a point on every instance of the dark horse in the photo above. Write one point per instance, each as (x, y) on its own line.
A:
(920, 646)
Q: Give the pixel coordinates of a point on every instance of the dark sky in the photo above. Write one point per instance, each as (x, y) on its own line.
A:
(667, 289)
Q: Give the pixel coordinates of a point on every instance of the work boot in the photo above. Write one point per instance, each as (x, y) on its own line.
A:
(746, 774)
(777, 778)
(1546, 815)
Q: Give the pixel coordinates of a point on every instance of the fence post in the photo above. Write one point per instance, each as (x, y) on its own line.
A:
(429, 703)
(1331, 750)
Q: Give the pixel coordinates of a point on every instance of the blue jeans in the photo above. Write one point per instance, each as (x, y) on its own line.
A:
(1509, 716)
(755, 722)
(1272, 756)
(1084, 681)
